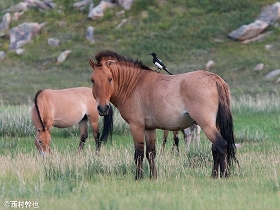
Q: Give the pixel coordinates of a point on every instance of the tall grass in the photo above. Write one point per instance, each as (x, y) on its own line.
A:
(16, 120)
(262, 102)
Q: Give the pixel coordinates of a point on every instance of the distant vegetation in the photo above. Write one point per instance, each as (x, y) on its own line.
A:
(184, 34)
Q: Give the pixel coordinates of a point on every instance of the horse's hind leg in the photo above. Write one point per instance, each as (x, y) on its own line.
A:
(150, 137)
(83, 134)
(197, 135)
(215, 167)
(176, 141)
(219, 157)
(219, 151)
(96, 134)
(165, 135)
(188, 138)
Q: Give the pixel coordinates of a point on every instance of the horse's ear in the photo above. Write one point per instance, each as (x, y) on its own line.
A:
(91, 63)
(109, 62)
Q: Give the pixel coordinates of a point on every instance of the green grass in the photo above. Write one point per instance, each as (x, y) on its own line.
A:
(106, 181)
(66, 180)
(182, 33)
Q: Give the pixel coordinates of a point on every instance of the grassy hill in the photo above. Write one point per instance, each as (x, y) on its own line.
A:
(184, 34)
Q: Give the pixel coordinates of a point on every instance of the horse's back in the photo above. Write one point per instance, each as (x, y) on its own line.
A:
(79, 96)
(66, 107)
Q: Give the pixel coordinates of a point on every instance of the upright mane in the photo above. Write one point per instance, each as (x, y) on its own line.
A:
(107, 55)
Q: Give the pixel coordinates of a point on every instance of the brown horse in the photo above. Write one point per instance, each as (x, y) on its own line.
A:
(191, 135)
(148, 101)
(64, 108)
(175, 139)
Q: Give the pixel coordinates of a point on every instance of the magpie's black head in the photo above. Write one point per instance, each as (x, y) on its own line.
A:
(153, 54)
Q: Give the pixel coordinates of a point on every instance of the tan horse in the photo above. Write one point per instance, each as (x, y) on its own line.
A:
(64, 108)
(175, 139)
(191, 135)
(148, 101)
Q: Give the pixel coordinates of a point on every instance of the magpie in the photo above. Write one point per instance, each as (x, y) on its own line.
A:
(158, 63)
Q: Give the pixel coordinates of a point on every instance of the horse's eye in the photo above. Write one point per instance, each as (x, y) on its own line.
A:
(92, 81)
(40, 141)
(110, 80)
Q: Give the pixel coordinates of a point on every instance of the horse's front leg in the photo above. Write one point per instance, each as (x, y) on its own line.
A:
(150, 137)
(138, 137)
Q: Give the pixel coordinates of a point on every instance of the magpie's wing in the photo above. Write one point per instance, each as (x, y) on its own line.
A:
(159, 65)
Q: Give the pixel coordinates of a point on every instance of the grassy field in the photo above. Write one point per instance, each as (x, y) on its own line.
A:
(185, 35)
(66, 180)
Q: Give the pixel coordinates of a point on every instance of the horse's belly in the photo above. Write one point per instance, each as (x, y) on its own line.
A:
(68, 120)
(177, 121)
(63, 123)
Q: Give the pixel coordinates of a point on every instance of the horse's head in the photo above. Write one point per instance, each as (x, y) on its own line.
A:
(102, 85)
(42, 141)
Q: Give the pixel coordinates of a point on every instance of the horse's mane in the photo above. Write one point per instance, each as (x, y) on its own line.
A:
(107, 55)
(37, 108)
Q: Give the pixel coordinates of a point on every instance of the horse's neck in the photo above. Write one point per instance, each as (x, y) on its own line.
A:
(126, 81)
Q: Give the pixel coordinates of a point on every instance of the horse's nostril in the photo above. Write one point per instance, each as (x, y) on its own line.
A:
(99, 109)
(107, 108)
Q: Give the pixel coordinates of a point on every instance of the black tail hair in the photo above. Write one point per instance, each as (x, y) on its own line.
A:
(37, 108)
(108, 125)
(225, 121)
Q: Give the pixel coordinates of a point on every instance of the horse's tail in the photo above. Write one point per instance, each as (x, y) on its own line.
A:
(37, 108)
(108, 125)
(224, 120)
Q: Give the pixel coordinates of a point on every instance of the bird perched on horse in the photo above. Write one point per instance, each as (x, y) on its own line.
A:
(158, 63)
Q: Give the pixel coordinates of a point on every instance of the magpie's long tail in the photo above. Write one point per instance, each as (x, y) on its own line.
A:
(165, 69)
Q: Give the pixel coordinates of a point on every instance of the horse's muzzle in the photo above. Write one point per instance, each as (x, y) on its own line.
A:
(103, 110)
